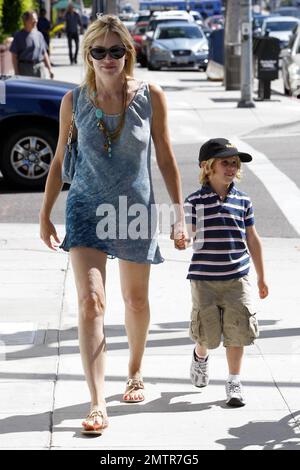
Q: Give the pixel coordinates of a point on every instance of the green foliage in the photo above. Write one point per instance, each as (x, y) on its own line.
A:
(29, 5)
(88, 3)
(11, 15)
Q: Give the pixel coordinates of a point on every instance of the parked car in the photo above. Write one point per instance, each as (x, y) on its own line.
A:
(29, 124)
(215, 22)
(257, 21)
(138, 34)
(173, 13)
(197, 17)
(130, 25)
(144, 16)
(288, 11)
(178, 45)
(291, 65)
(280, 27)
(157, 20)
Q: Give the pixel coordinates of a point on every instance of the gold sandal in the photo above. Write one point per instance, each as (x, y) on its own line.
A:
(94, 428)
(134, 385)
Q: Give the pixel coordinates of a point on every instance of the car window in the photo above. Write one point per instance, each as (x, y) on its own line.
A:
(143, 18)
(153, 24)
(280, 25)
(179, 32)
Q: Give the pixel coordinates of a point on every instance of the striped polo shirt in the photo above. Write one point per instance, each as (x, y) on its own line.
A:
(220, 249)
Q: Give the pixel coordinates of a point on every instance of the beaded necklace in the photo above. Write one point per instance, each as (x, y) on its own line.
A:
(110, 136)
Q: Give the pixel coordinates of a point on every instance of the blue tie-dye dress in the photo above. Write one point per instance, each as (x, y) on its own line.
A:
(110, 204)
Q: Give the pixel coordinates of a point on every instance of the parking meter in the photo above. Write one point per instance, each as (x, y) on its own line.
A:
(266, 50)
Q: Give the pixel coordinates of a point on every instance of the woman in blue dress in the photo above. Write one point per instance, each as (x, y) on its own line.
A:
(116, 117)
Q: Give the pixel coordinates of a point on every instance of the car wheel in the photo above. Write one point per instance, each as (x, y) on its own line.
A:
(152, 67)
(27, 155)
(143, 61)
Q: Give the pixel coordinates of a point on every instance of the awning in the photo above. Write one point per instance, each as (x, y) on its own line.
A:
(63, 5)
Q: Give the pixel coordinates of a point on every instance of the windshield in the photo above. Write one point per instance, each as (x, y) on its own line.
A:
(288, 12)
(280, 26)
(179, 32)
(153, 24)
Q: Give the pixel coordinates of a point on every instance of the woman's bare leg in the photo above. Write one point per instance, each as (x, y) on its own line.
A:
(89, 266)
(135, 283)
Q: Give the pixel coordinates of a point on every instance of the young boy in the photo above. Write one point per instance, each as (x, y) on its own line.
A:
(221, 219)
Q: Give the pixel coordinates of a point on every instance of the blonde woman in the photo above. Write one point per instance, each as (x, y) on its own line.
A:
(116, 116)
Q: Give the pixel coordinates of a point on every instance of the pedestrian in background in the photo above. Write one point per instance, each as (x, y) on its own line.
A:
(29, 49)
(73, 25)
(222, 221)
(44, 26)
(116, 116)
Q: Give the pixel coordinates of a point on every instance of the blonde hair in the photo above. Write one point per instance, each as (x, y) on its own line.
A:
(207, 170)
(102, 26)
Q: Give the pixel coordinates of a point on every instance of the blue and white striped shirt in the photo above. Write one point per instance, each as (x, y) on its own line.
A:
(220, 249)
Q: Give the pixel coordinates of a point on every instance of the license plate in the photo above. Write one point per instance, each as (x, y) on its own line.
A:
(182, 60)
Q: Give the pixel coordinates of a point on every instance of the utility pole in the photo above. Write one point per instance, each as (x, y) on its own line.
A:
(99, 6)
(246, 100)
(112, 7)
(105, 6)
(47, 5)
(232, 46)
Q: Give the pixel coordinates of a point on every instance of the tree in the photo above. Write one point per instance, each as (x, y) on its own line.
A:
(11, 16)
(12, 10)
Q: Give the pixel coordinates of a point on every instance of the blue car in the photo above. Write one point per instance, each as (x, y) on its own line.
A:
(29, 126)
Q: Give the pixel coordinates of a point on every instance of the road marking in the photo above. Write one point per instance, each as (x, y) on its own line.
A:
(275, 181)
(282, 189)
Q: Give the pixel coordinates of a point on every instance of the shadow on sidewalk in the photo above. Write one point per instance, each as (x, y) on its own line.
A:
(43, 421)
(71, 334)
(270, 435)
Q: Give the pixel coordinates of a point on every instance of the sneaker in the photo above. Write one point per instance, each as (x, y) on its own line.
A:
(234, 394)
(199, 372)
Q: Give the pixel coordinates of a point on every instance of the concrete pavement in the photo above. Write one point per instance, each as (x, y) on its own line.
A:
(43, 394)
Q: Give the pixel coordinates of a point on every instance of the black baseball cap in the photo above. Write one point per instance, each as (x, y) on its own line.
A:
(221, 148)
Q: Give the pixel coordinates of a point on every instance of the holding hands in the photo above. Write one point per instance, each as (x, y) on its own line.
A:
(180, 235)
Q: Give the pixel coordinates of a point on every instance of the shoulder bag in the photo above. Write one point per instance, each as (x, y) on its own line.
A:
(71, 150)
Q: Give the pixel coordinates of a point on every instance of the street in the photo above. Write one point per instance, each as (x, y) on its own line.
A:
(43, 394)
(188, 92)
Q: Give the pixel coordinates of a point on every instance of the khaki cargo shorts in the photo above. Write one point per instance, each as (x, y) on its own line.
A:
(223, 308)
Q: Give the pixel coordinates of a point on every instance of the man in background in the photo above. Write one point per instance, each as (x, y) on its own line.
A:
(44, 27)
(73, 23)
(29, 50)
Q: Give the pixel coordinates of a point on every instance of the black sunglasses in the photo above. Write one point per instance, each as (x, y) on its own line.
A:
(115, 52)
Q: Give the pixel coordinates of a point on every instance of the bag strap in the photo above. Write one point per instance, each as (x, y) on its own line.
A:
(75, 95)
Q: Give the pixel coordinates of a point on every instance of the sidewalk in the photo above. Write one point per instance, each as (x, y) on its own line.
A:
(43, 393)
(42, 389)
